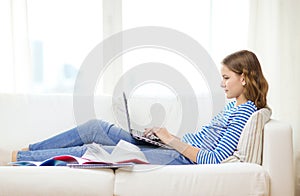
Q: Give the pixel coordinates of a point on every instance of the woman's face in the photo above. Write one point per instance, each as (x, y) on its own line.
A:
(232, 83)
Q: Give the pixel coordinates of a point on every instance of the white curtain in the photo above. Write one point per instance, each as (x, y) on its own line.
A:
(274, 34)
(14, 47)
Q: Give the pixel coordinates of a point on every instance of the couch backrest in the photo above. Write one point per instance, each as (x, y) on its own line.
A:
(29, 118)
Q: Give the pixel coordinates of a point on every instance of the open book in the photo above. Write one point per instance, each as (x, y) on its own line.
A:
(124, 154)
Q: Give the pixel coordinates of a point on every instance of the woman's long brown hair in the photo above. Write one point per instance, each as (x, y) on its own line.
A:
(246, 62)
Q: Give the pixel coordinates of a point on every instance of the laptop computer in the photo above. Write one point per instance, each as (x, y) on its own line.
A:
(139, 135)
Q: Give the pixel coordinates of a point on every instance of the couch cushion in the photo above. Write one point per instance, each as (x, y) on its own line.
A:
(250, 145)
(224, 179)
(55, 181)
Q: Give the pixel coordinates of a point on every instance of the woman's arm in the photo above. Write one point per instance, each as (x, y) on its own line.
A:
(185, 149)
(226, 144)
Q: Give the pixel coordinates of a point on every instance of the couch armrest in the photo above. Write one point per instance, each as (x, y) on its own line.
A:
(278, 157)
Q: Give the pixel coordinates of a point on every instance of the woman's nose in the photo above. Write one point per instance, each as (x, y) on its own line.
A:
(222, 84)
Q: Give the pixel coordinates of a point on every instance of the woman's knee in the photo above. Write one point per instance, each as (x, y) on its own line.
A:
(95, 130)
(88, 130)
(98, 123)
(93, 122)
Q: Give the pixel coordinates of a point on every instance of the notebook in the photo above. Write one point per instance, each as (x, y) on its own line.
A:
(101, 166)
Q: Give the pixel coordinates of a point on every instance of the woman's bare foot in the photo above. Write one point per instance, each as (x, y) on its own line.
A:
(25, 149)
(14, 156)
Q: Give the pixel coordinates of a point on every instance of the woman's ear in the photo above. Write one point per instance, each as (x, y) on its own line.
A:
(243, 81)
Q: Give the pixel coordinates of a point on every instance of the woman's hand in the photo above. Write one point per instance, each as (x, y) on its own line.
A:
(162, 133)
(174, 142)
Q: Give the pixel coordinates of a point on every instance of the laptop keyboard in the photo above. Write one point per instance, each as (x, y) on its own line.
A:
(152, 139)
(141, 134)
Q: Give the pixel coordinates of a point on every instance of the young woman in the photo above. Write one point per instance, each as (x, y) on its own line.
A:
(242, 79)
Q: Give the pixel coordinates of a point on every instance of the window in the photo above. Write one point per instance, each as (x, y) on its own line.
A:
(46, 41)
(61, 34)
(219, 26)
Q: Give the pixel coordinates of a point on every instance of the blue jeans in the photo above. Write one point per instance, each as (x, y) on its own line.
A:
(73, 142)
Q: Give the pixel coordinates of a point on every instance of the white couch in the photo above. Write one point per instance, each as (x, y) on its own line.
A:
(30, 118)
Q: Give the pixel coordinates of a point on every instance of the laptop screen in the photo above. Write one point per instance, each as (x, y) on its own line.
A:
(127, 113)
